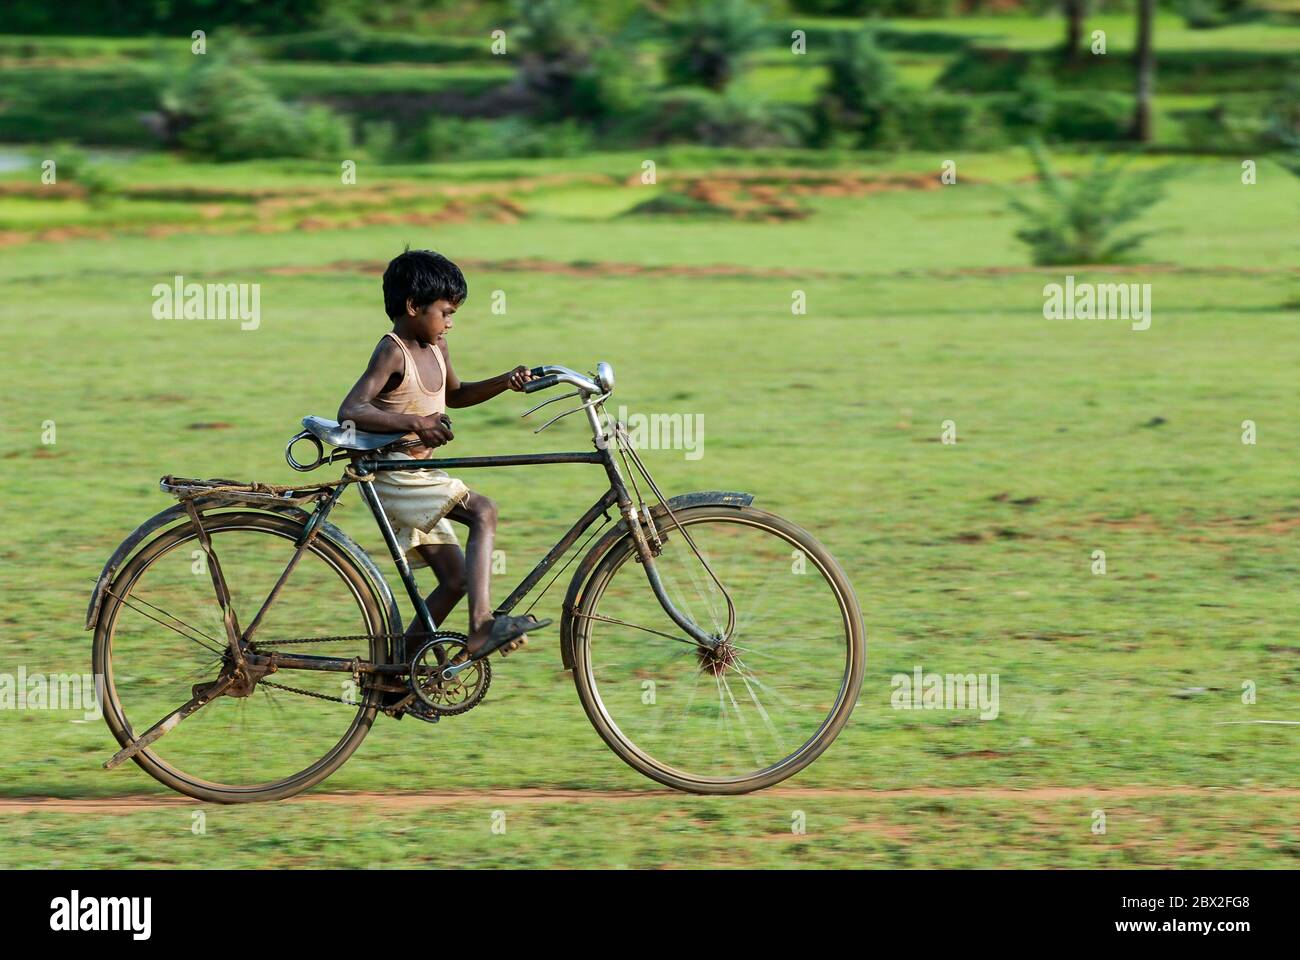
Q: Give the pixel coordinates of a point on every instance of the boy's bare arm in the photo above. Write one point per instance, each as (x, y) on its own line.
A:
(358, 407)
(468, 394)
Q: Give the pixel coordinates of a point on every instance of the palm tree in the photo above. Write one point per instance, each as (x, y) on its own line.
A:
(708, 43)
(1146, 72)
(1074, 12)
(557, 40)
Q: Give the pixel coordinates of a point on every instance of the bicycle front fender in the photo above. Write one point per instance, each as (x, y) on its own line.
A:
(178, 512)
(701, 498)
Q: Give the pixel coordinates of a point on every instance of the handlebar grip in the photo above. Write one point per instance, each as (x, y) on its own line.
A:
(532, 386)
(538, 371)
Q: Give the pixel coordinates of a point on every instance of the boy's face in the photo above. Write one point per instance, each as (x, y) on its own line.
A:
(429, 323)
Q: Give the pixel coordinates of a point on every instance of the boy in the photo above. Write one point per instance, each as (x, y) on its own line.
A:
(406, 388)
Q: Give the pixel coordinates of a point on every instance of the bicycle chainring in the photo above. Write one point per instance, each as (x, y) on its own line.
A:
(447, 697)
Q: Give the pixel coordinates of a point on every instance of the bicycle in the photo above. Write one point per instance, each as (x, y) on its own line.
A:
(752, 674)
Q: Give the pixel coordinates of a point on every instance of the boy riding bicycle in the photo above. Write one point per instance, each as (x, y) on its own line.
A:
(407, 387)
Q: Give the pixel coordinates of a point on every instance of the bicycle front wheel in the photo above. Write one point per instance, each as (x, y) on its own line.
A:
(160, 634)
(764, 705)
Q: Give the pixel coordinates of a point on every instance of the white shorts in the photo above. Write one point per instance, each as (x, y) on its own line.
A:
(417, 503)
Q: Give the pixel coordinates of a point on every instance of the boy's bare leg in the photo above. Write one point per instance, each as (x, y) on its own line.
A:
(448, 565)
(479, 514)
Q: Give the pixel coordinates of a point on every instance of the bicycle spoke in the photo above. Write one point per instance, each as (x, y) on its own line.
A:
(758, 705)
(750, 677)
(690, 698)
(708, 593)
(127, 603)
(249, 739)
(637, 626)
(744, 726)
(794, 627)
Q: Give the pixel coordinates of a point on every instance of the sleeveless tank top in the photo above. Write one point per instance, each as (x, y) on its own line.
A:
(410, 396)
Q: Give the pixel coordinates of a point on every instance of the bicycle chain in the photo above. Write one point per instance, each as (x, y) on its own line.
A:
(334, 639)
(338, 639)
(308, 693)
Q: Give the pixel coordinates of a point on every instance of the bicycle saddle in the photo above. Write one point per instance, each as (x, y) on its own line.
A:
(329, 431)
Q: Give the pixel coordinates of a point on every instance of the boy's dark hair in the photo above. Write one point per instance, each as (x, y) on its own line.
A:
(422, 277)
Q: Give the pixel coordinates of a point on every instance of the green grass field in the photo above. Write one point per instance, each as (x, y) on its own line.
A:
(1119, 692)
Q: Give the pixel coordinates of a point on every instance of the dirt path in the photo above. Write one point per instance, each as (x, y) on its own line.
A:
(542, 795)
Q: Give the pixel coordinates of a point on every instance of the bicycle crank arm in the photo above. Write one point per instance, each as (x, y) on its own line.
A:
(452, 672)
(168, 722)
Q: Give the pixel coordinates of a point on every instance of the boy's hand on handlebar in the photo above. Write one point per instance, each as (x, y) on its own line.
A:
(517, 377)
(434, 431)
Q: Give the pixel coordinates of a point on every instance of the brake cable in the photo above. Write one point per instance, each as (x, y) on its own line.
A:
(626, 450)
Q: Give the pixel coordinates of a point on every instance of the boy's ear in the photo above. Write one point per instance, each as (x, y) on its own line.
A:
(410, 308)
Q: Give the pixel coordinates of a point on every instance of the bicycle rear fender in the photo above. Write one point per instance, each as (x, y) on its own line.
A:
(702, 498)
(169, 516)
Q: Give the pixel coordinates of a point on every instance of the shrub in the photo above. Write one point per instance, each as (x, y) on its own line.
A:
(219, 109)
(244, 121)
(1031, 106)
(49, 105)
(1039, 110)
(570, 70)
(556, 39)
(708, 44)
(820, 36)
(1211, 14)
(721, 120)
(937, 122)
(364, 46)
(1079, 221)
(459, 138)
(992, 69)
(74, 166)
(882, 8)
(611, 88)
(860, 91)
(1262, 122)
(863, 105)
(1090, 117)
(380, 142)
(169, 17)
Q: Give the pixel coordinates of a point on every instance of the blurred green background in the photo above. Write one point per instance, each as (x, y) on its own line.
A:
(919, 170)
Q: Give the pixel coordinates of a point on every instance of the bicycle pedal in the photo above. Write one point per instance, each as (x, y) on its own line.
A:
(429, 717)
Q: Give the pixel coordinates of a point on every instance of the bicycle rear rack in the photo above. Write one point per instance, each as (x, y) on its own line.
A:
(236, 491)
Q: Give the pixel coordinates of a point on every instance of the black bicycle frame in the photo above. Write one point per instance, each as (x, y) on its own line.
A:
(612, 496)
(616, 495)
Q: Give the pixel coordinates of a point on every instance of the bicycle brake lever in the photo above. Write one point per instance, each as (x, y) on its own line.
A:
(554, 419)
(582, 406)
(563, 396)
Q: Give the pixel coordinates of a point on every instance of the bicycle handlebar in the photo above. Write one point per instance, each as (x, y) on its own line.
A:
(551, 374)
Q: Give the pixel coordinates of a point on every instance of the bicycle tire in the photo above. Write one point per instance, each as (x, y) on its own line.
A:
(605, 559)
(371, 603)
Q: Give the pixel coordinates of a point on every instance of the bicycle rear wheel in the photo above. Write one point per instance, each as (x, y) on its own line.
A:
(160, 632)
(763, 707)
